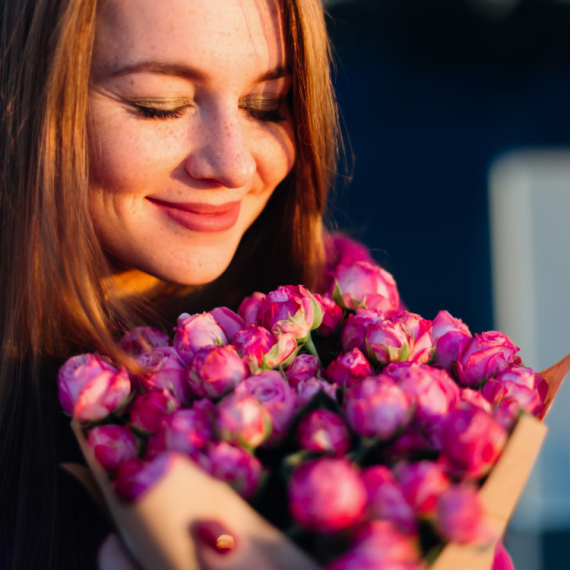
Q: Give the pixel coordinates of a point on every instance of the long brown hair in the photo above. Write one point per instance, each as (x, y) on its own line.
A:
(51, 265)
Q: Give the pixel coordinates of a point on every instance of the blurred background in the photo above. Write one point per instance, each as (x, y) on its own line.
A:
(457, 113)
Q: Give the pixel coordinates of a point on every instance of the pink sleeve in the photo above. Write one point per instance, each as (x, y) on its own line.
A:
(502, 560)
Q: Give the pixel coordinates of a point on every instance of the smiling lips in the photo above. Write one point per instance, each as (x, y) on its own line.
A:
(200, 217)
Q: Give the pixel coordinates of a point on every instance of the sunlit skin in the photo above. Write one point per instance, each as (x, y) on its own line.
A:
(187, 105)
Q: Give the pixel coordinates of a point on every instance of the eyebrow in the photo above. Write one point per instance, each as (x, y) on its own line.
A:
(188, 72)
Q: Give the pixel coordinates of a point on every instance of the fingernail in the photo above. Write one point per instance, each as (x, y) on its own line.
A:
(216, 536)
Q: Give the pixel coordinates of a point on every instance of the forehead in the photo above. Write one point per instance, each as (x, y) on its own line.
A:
(227, 37)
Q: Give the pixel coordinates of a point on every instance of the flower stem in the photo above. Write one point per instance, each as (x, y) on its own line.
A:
(310, 346)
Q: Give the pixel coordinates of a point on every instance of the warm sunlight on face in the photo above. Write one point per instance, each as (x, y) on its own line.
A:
(189, 130)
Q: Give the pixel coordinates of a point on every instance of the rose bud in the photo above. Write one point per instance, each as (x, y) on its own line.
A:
(291, 309)
(243, 421)
(483, 357)
(186, 431)
(386, 500)
(229, 321)
(471, 441)
(528, 399)
(506, 413)
(249, 309)
(324, 431)
(525, 377)
(235, 466)
(308, 389)
(303, 367)
(332, 315)
(366, 286)
(112, 445)
(406, 446)
(341, 250)
(447, 333)
(421, 484)
(143, 339)
(377, 408)
(475, 398)
(197, 331)
(90, 388)
(349, 368)
(432, 389)
(459, 515)
(326, 495)
(263, 349)
(167, 371)
(215, 371)
(135, 477)
(149, 408)
(280, 400)
(354, 329)
(379, 545)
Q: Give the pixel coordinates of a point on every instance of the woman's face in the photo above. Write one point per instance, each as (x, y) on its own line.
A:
(189, 130)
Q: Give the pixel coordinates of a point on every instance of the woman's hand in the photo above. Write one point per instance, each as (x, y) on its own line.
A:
(216, 549)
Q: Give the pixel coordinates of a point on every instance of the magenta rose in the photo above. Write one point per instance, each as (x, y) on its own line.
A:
(527, 398)
(354, 329)
(263, 349)
(291, 309)
(341, 250)
(166, 371)
(483, 357)
(447, 333)
(386, 500)
(506, 413)
(377, 408)
(471, 441)
(215, 371)
(229, 321)
(408, 444)
(333, 315)
(112, 445)
(197, 331)
(303, 367)
(249, 309)
(326, 495)
(143, 339)
(459, 515)
(149, 408)
(525, 377)
(324, 431)
(235, 466)
(280, 400)
(475, 398)
(243, 421)
(349, 368)
(364, 285)
(90, 388)
(308, 389)
(135, 477)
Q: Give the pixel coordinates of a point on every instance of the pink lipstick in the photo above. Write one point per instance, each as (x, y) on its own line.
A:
(199, 217)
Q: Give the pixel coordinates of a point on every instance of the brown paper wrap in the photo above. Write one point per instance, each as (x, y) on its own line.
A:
(157, 529)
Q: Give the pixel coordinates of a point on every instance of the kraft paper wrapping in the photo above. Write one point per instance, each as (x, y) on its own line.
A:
(157, 529)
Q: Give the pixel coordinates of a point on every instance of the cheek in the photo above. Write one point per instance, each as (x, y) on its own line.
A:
(275, 158)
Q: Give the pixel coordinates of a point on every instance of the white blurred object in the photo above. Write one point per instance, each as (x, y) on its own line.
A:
(529, 199)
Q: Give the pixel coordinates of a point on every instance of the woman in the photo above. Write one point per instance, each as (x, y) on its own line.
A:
(154, 156)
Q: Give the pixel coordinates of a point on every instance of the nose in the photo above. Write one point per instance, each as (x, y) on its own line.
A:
(221, 151)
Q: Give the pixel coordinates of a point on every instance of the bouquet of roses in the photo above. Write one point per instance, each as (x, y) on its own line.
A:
(361, 431)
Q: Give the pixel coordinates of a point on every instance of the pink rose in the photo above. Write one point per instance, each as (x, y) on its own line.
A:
(377, 408)
(215, 371)
(291, 309)
(112, 445)
(303, 367)
(143, 339)
(527, 398)
(249, 309)
(422, 483)
(229, 321)
(280, 400)
(263, 349)
(525, 377)
(308, 389)
(326, 495)
(90, 388)
(475, 398)
(483, 357)
(349, 368)
(386, 500)
(506, 413)
(366, 286)
(406, 446)
(135, 477)
(472, 441)
(197, 331)
(149, 408)
(332, 315)
(460, 515)
(324, 431)
(235, 466)
(354, 329)
(243, 421)
(341, 250)
(167, 371)
(447, 332)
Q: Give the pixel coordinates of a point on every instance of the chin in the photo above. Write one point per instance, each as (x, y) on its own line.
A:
(194, 275)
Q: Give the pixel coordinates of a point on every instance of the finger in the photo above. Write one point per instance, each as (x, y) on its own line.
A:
(113, 556)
